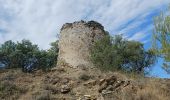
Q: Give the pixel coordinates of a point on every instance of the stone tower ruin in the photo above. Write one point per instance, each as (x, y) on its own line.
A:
(76, 40)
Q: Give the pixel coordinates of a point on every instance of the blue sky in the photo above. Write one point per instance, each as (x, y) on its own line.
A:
(41, 20)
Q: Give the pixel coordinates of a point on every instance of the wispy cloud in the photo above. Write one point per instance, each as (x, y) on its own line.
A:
(41, 20)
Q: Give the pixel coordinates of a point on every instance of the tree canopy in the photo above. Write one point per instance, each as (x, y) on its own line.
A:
(28, 56)
(116, 53)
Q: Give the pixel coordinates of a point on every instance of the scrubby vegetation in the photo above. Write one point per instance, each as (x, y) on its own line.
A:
(8, 88)
(116, 53)
(27, 56)
(57, 85)
(110, 53)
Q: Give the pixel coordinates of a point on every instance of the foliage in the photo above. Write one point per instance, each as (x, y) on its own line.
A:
(101, 53)
(53, 53)
(7, 53)
(28, 56)
(116, 53)
(161, 38)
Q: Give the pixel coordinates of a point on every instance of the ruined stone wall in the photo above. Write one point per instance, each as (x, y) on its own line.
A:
(76, 40)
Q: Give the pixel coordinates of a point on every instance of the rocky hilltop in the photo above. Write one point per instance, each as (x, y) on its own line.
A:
(76, 40)
(75, 79)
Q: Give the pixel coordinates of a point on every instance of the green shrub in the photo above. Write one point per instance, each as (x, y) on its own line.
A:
(116, 53)
(101, 53)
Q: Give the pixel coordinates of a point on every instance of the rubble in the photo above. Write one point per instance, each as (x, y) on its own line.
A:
(65, 89)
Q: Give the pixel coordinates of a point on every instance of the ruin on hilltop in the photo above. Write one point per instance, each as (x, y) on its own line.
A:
(76, 40)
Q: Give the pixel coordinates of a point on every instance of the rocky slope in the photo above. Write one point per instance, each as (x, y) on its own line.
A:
(80, 84)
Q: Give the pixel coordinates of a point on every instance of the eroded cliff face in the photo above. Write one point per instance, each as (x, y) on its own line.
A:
(76, 40)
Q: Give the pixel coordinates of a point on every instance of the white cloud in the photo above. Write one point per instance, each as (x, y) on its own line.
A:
(41, 20)
(138, 36)
(143, 36)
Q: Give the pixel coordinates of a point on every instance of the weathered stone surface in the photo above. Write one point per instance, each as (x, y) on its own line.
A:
(102, 87)
(118, 84)
(65, 80)
(110, 80)
(90, 83)
(127, 82)
(101, 81)
(104, 92)
(65, 89)
(51, 80)
(111, 84)
(76, 40)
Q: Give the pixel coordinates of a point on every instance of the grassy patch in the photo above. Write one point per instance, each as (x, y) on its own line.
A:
(8, 90)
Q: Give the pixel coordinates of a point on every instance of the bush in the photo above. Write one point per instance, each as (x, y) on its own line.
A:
(28, 56)
(116, 53)
(101, 54)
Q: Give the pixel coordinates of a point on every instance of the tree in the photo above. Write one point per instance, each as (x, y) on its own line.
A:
(48, 58)
(116, 53)
(7, 54)
(53, 53)
(135, 58)
(102, 53)
(35, 59)
(161, 38)
(28, 56)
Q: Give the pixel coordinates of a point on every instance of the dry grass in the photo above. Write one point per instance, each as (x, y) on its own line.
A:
(154, 90)
(15, 85)
(9, 90)
(149, 89)
(42, 95)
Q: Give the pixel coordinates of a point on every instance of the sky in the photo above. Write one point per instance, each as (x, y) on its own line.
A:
(41, 20)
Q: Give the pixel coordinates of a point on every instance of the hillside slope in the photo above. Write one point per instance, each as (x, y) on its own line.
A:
(80, 84)
(75, 77)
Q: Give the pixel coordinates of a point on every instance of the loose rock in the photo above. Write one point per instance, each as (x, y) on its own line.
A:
(65, 89)
(101, 81)
(102, 87)
(90, 83)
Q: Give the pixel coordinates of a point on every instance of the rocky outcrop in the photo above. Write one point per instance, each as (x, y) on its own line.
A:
(76, 40)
